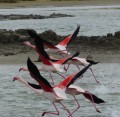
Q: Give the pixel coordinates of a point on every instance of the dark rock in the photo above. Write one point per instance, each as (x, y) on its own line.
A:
(31, 16)
(54, 15)
(9, 53)
(109, 35)
(49, 35)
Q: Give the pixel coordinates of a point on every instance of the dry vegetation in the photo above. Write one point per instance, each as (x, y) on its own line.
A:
(13, 1)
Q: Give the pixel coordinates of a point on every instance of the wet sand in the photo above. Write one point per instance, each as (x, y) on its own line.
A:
(22, 58)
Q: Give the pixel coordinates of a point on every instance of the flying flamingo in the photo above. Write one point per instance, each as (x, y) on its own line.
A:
(67, 86)
(61, 47)
(50, 66)
(54, 94)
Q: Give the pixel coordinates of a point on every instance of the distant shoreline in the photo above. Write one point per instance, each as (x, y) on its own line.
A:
(46, 3)
(104, 49)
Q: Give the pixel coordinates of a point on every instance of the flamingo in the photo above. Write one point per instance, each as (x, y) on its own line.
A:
(60, 48)
(67, 86)
(54, 94)
(55, 65)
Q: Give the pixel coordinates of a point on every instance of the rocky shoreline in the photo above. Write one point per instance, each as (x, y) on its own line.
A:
(11, 42)
(31, 16)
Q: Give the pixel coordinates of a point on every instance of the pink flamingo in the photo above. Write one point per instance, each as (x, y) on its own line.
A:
(61, 47)
(53, 94)
(66, 85)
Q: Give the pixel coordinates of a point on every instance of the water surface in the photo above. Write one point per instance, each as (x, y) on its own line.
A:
(16, 100)
(94, 20)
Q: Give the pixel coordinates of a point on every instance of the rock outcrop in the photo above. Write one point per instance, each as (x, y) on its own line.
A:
(12, 41)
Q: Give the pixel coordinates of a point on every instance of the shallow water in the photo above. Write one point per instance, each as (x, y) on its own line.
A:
(18, 101)
(94, 20)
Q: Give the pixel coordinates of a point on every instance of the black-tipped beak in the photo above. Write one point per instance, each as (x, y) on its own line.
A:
(14, 78)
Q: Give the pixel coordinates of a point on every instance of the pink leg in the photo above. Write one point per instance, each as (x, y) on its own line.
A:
(94, 75)
(61, 75)
(93, 102)
(51, 78)
(52, 112)
(67, 68)
(70, 115)
(77, 107)
(78, 67)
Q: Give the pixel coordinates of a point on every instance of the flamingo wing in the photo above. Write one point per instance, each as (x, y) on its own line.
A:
(35, 86)
(48, 44)
(69, 39)
(93, 98)
(38, 42)
(34, 72)
(82, 72)
(71, 79)
(41, 50)
(66, 60)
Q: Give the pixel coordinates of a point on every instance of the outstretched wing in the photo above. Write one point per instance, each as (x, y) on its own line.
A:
(34, 72)
(38, 42)
(70, 38)
(35, 86)
(71, 79)
(93, 98)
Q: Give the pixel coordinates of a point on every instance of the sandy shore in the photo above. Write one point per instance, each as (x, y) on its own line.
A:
(22, 58)
(45, 3)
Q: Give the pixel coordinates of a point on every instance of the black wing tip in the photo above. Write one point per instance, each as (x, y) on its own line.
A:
(99, 101)
(92, 62)
(29, 60)
(29, 63)
(78, 26)
(35, 86)
(76, 54)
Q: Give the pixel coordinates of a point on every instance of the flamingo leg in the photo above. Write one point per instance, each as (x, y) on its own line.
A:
(78, 67)
(52, 112)
(51, 78)
(67, 68)
(77, 107)
(70, 115)
(61, 75)
(93, 101)
(94, 75)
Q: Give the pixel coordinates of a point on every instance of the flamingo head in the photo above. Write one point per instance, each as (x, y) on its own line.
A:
(16, 78)
(23, 69)
(26, 43)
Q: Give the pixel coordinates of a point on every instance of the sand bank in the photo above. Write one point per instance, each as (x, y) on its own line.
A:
(45, 3)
